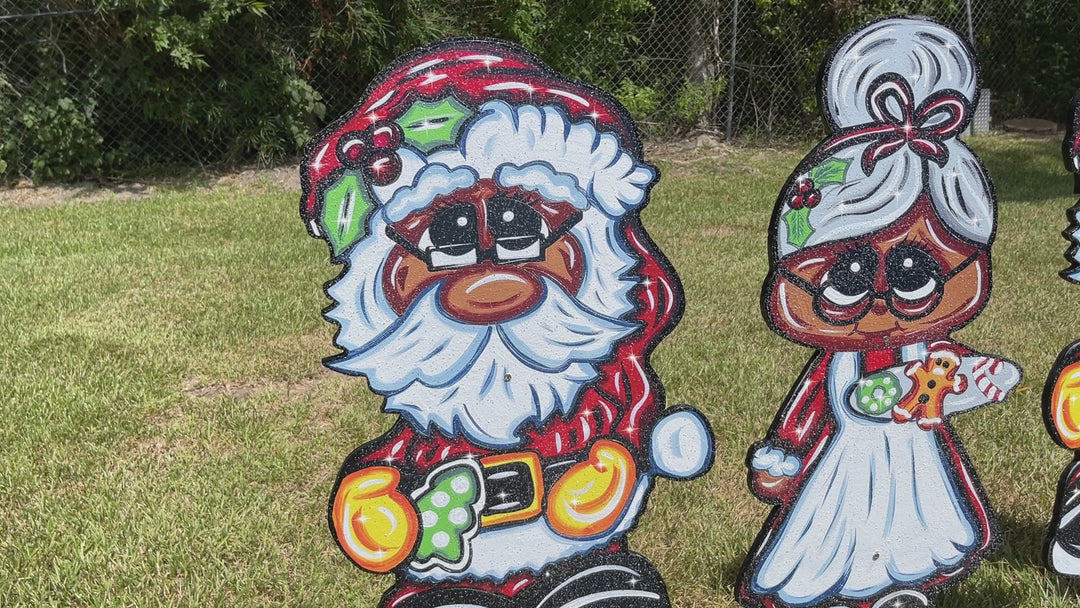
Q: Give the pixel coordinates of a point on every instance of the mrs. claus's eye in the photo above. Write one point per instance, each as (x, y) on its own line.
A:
(911, 273)
(851, 277)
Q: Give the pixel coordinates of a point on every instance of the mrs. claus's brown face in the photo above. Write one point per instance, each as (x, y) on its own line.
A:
(912, 282)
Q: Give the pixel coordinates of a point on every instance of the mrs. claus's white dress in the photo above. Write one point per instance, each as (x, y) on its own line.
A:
(884, 505)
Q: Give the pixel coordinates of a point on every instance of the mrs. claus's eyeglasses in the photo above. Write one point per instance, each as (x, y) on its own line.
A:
(915, 283)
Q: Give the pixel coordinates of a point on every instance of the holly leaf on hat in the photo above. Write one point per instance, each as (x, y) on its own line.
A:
(832, 171)
(430, 124)
(798, 226)
(345, 210)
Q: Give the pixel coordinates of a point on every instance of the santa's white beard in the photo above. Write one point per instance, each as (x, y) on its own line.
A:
(486, 381)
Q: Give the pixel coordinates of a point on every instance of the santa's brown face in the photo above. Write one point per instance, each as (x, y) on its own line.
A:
(910, 283)
(490, 246)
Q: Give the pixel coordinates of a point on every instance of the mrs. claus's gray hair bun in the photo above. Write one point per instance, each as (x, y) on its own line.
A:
(892, 72)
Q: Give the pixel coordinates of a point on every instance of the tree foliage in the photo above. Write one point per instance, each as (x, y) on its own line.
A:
(116, 85)
(102, 89)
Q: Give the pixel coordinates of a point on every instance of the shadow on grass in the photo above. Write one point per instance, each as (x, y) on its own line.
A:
(1024, 168)
(729, 571)
(1023, 542)
(1023, 552)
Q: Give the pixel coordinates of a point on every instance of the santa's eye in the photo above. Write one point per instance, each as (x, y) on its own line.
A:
(911, 273)
(452, 239)
(517, 228)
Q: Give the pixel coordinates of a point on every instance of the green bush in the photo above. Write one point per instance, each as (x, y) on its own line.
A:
(57, 122)
(132, 83)
(1042, 39)
(694, 100)
(106, 89)
(119, 85)
(47, 117)
(642, 102)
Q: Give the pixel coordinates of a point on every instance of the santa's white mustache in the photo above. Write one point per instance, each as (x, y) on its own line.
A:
(485, 380)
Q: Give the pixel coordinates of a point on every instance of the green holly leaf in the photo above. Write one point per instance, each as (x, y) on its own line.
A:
(798, 226)
(346, 207)
(430, 124)
(832, 171)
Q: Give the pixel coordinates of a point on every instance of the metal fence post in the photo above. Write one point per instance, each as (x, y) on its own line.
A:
(731, 69)
(971, 26)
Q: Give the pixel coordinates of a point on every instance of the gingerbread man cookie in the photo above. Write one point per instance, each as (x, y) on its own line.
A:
(934, 379)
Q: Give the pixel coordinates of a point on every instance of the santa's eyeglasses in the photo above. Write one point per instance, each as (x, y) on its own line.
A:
(915, 284)
(510, 232)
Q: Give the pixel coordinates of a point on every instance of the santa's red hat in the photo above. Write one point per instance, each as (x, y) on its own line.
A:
(397, 147)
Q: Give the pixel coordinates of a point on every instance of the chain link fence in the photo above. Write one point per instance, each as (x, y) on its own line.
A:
(741, 69)
(749, 70)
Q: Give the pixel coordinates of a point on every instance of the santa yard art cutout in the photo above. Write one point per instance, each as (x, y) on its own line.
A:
(500, 292)
(1061, 393)
(880, 249)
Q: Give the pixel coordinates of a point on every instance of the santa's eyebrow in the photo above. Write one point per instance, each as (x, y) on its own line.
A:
(445, 202)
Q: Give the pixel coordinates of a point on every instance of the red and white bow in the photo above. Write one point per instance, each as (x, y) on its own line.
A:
(922, 128)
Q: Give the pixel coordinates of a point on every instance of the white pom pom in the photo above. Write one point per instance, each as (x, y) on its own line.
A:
(681, 445)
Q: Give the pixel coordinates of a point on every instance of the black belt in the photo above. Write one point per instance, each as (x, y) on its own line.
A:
(515, 485)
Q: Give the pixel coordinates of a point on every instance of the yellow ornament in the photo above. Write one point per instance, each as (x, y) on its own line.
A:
(375, 524)
(1065, 406)
(591, 496)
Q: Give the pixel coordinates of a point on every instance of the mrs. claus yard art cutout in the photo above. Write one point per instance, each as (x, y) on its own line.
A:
(1061, 393)
(500, 292)
(880, 249)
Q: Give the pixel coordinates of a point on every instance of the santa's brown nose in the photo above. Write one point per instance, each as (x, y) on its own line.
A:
(488, 294)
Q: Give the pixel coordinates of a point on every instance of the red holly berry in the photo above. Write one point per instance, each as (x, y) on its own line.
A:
(352, 148)
(804, 185)
(383, 167)
(386, 135)
(806, 195)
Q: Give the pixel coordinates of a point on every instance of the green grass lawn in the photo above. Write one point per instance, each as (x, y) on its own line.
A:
(168, 436)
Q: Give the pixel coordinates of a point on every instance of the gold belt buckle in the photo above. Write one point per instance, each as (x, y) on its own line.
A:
(505, 466)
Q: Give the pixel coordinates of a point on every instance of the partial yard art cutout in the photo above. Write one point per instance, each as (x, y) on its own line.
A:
(1070, 152)
(880, 249)
(1061, 394)
(500, 292)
